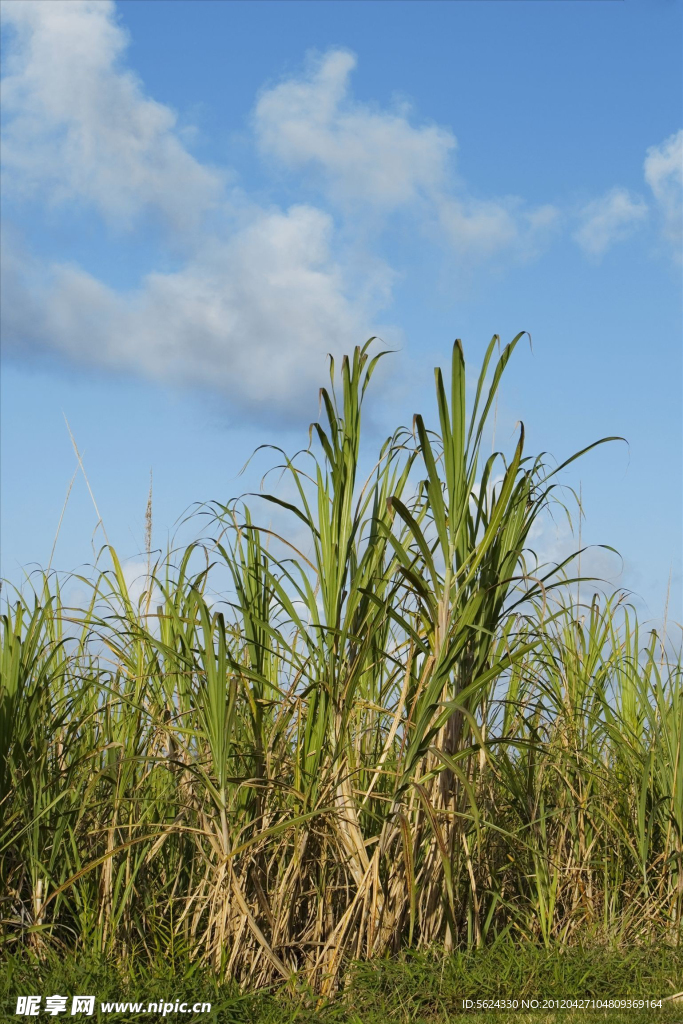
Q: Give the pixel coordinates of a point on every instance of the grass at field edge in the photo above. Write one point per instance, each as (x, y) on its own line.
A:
(415, 988)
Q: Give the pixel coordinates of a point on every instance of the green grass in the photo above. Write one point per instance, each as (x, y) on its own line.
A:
(417, 987)
(392, 729)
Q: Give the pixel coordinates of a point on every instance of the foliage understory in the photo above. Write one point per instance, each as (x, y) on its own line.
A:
(412, 988)
(393, 730)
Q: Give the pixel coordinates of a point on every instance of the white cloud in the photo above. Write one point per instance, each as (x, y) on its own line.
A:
(365, 153)
(78, 126)
(482, 229)
(609, 219)
(664, 175)
(251, 317)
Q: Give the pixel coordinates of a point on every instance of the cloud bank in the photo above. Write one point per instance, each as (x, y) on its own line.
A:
(78, 126)
(258, 301)
(362, 156)
(609, 220)
(252, 316)
(259, 294)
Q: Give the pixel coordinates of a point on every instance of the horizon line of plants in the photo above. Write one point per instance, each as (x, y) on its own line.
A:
(395, 729)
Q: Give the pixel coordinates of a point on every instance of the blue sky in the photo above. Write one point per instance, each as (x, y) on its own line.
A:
(201, 199)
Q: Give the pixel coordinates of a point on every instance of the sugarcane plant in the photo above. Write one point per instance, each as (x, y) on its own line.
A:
(393, 727)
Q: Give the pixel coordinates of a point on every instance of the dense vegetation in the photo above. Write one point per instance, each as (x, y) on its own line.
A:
(397, 730)
(416, 987)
